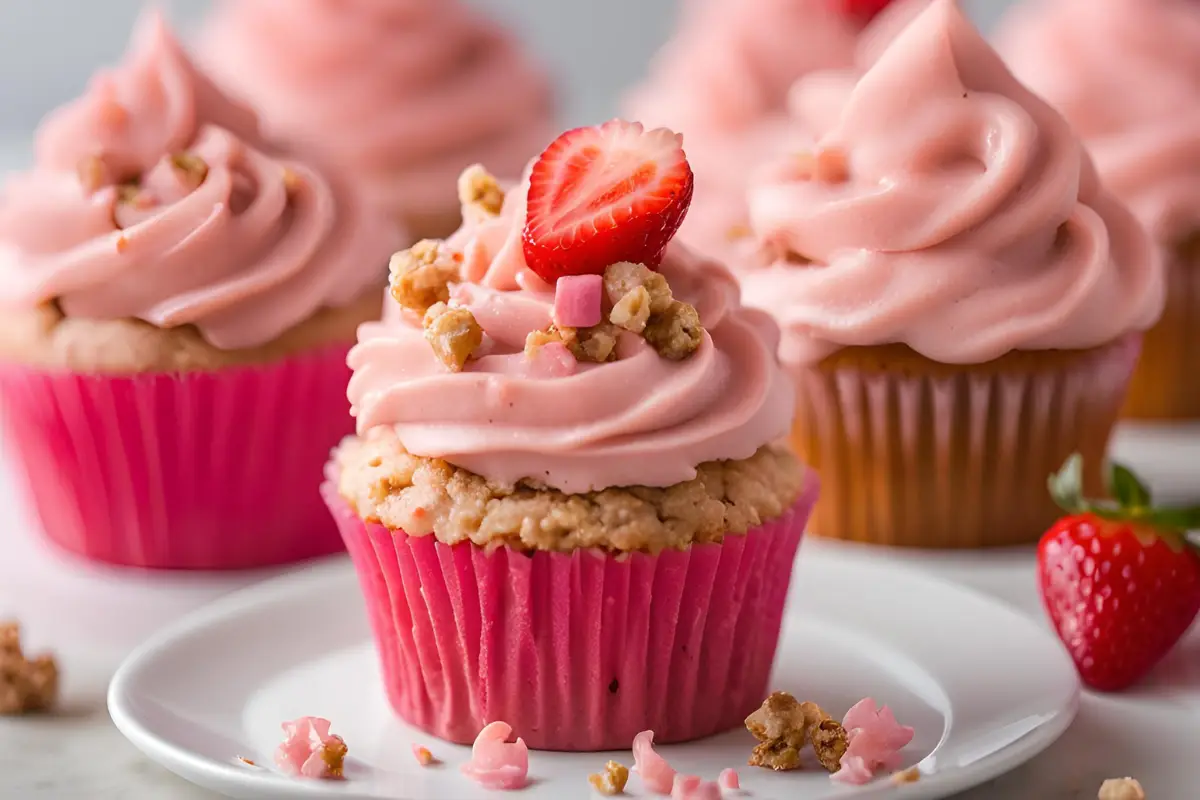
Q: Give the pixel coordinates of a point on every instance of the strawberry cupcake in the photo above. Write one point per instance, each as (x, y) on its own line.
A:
(724, 80)
(567, 501)
(1126, 74)
(179, 302)
(961, 301)
(402, 94)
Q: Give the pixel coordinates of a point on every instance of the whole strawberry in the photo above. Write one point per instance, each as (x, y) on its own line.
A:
(1118, 577)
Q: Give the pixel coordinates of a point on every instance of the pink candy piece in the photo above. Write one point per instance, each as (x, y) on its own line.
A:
(302, 752)
(551, 360)
(656, 774)
(728, 779)
(577, 300)
(496, 763)
(875, 742)
(690, 787)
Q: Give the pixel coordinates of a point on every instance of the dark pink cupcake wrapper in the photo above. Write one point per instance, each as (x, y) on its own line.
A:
(577, 651)
(204, 470)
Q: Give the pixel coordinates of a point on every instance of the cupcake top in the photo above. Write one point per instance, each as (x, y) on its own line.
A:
(1126, 74)
(724, 79)
(152, 198)
(947, 208)
(617, 375)
(402, 92)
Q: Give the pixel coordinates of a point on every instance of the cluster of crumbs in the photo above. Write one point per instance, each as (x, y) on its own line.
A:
(309, 750)
(784, 727)
(26, 685)
(591, 312)
(1121, 789)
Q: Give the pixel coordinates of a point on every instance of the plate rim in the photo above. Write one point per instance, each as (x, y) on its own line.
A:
(231, 778)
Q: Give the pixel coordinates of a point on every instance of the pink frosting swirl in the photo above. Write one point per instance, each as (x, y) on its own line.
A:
(970, 223)
(640, 420)
(243, 249)
(1126, 73)
(404, 93)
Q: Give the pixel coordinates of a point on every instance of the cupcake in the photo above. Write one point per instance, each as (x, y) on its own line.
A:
(179, 302)
(724, 80)
(1126, 74)
(961, 302)
(569, 504)
(400, 93)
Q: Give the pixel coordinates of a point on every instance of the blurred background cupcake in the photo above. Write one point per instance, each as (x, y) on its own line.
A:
(179, 301)
(400, 93)
(961, 302)
(1126, 74)
(578, 484)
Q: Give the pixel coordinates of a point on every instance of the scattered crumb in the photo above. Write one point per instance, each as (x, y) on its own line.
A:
(479, 192)
(122, 244)
(291, 181)
(1121, 789)
(737, 232)
(804, 166)
(246, 761)
(453, 333)
(421, 275)
(26, 686)
(832, 165)
(612, 781)
(193, 170)
(632, 311)
(93, 173)
(910, 775)
(676, 333)
(596, 344)
(784, 726)
(423, 756)
(623, 277)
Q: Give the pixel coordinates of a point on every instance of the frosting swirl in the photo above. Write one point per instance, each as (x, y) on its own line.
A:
(151, 198)
(968, 222)
(1126, 74)
(403, 93)
(640, 420)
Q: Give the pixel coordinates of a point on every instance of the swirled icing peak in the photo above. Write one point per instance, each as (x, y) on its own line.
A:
(152, 197)
(947, 208)
(1126, 74)
(632, 416)
(404, 93)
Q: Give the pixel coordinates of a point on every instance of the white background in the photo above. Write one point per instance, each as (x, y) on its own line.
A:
(595, 47)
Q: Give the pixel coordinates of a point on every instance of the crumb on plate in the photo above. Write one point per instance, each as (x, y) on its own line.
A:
(1121, 789)
(612, 781)
(785, 726)
(26, 686)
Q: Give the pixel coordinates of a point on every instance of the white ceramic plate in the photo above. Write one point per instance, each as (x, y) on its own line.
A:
(984, 688)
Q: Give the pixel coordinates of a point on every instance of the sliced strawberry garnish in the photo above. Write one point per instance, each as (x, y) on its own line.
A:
(605, 194)
(862, 10)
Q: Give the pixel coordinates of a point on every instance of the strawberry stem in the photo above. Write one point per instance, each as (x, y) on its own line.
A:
(1130, 499)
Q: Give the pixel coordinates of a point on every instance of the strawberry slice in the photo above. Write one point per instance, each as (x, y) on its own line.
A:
(862, 10)
(605, 194)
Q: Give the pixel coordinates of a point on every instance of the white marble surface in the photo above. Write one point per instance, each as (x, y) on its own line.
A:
(93, 616)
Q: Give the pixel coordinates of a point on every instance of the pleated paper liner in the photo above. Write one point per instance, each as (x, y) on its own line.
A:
(203, 470)
(578, 651)
(918, 454)
(1166, 383)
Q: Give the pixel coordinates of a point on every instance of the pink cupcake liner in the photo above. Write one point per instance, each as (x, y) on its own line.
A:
(196, 470)
(577, 651)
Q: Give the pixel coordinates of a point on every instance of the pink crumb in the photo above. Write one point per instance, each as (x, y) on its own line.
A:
(728, 779)
(423, 756)
(552, 360)
(496, 763)
(875, 739)
(656, 774)
(308, 750)
(577, 301)
(690, 787)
